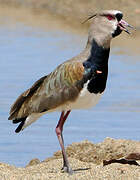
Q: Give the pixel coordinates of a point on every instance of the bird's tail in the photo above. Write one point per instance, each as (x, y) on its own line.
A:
(20, 126)
(26, 121)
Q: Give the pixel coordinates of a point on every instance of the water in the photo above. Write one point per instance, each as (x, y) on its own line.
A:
(26, 54)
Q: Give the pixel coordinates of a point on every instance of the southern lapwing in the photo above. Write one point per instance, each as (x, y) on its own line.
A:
(75, 84)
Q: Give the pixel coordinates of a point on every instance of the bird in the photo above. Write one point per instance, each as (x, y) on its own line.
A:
(77, 83)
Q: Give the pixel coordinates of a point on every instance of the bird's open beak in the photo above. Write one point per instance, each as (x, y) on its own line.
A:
(123, 25)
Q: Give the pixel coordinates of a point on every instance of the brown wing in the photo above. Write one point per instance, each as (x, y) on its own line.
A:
(23, 97)
(62, 85)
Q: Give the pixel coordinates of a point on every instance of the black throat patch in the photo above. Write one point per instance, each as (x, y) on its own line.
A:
(117, 32)
(98, 59)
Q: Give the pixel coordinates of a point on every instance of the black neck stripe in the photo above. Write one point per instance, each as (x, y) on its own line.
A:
(98, 58)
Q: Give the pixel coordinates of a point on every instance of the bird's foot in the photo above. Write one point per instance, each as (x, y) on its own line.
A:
(67, 169)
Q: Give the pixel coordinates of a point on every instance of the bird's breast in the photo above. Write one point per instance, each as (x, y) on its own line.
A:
(86, 99)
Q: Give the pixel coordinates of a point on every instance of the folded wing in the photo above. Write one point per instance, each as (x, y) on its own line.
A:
(49, 92)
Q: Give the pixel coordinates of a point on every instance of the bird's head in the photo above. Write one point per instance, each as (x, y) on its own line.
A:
(107, 25)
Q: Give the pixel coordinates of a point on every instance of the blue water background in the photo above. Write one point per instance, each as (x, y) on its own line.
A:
(26, 54)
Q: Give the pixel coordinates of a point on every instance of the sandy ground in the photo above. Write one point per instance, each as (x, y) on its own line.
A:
(86, 159)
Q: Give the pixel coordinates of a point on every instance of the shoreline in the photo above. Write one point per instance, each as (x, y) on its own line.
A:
(47, 21)
(76, 11)
(86, 159)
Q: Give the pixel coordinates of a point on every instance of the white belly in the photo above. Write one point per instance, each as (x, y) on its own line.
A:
(85, 100)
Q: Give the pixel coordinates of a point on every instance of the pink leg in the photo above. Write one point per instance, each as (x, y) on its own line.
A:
(59, 129)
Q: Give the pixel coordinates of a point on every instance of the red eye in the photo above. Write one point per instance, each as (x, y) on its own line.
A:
(110, 17)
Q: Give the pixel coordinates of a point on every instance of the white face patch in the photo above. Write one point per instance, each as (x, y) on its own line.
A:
(114, 25)
(114, 12)
(114, 22)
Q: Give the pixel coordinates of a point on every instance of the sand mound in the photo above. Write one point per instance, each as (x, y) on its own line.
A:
(86, 160)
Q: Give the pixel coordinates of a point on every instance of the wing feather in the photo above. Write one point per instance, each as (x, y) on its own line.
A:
(23, 97)
(49, 92)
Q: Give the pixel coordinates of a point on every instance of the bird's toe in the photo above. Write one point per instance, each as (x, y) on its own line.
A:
(67, 170)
